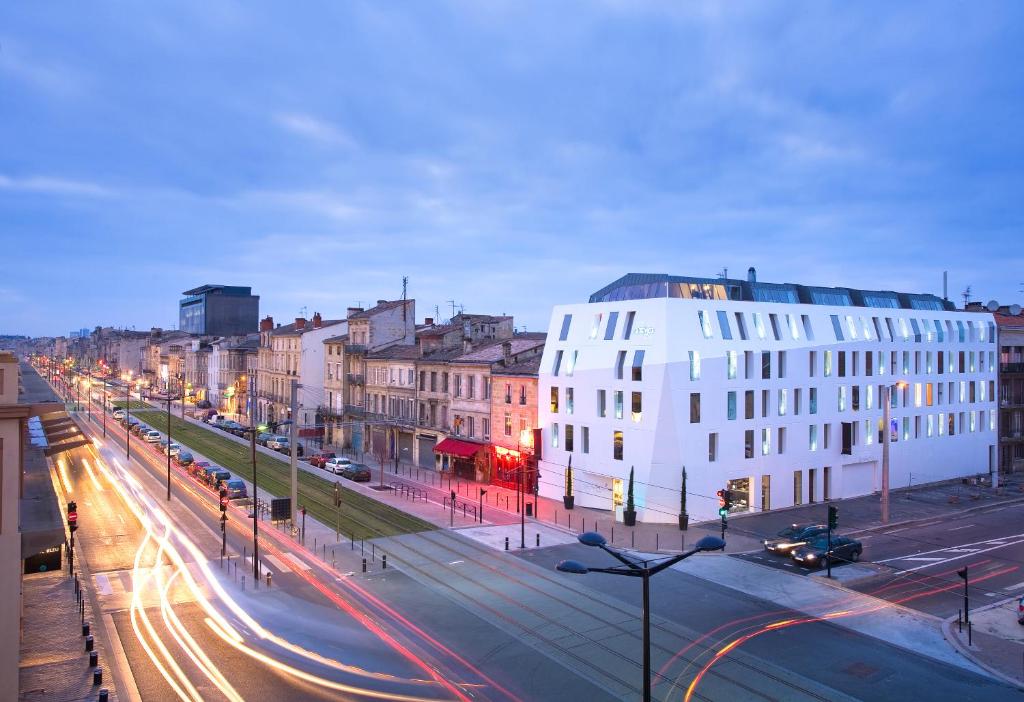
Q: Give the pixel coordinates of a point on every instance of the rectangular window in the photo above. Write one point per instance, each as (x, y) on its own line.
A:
(730, 364)
(568, 437)
(618, 404)
(617, 445)
(566, 322)
(782, 402)
(705, 324)
(609, 330)
(748, 404)
(766, 365)
(828, 364)
(837, 327)
(601, 408)
(797, 396)
(637, 408)
(508, 424)
(731, 404)
(781, 441)
(620, 362)
(798, 487)
(766, 441)
(808, 332)
(826, 432)
(554, 435)
(764, 402)
(627, 329)
(585, 439)
(812, 437)
(759, 325)
(723, 322)
(712, 447)
(741, 326)
(812, 401)
(812, 361)
(694, 407)
(748, 364)
(694, 365)
(842, 364)
(930, 425)
(558, 363)
(570, 367)
(554, 400)
(855, 397)
(842, 398)
(774, 319)
(748, 443)
(869, 366)
(568, 401)
(638, 364)
(794, 331)
(596, 326)
(782, 364)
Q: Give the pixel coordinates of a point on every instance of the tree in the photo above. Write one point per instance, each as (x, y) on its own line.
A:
(568, 479)
(380, 452)
(682, 495)
(629, 493)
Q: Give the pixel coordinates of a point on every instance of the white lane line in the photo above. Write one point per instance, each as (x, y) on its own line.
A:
(1013, 587)
(276, 562)
(956, 558)
(929, 559)
(298, 561)
(964, 550)
(103, 584)
(948, 549)
(966, 526)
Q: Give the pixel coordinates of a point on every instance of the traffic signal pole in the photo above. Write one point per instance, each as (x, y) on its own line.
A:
(833, 522)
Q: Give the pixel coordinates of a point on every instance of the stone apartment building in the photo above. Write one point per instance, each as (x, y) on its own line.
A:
(292, 352)
(197, 361)
(513, 416)
(1010, 325)
(391, 400)
(228, 377)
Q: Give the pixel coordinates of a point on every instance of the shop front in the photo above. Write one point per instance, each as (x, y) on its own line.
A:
(460, 458)
(507, 465)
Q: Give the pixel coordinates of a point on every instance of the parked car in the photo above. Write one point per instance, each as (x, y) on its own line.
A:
(204, 404)
(287, 449)
(172, 449)
(263, 437)
(276, 441)
(119, 413)
(318, 459)
(184, 458)
(792, 536)
(814, 554)
(1020, 610)
(215, 419)
(138, 427)
(357, 472)
(216, 475)
(198, 469)
(236, 489)
(337, 464)
(152, 436)
(231, 426)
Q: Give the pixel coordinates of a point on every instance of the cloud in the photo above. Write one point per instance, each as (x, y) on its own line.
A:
(54, 186)
(314, 129)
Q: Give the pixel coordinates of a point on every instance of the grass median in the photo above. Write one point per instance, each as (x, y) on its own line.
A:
(359, 516)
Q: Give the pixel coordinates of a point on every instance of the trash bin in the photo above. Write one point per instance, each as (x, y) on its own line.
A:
(529, 509)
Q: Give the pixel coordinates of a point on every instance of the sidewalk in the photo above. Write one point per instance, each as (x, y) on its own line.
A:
(995, 642)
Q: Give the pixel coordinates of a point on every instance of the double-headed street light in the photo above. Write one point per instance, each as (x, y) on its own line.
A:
(637, 568)
(886, 431)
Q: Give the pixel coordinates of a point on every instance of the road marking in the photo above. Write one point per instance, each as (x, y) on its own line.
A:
(952, 549)
(966, 526)
(456, 562)
(275, 561)
(1013, 587)
(126, 681)
(298, 561)
(965, 555)
(103, 584)
(930, 559)
(895, 531)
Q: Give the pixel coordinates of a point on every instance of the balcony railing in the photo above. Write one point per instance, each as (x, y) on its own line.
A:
(355, 378)
(1011, 367)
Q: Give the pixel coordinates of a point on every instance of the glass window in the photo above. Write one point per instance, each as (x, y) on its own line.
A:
(741, 325)
(568, 400)
(730, 362)
(766, 441)
(602, 410)
(694, 407)
(812, 437)
(568, 437)
(571, 367)
(808, 331)
(617, 445)
(596, 326)
(627, 330)
(638, 364)
(766, 365)
(637, 408)
(796, 401)
(794, 330)
(748, 443)
(851, 326)
(705, 324)
(566, 323)
(812, 361)
(842, 398)
(620, 362)
(609, 330)
(554, 435)
(712, 447)
(618, 404)
(759, 325)
(731, 404)
(774, 319)
(903, 329)
(782, 402)
(916, 328)
(765, 396)
(694, 365)
(748, 404)
(723, 322)
(585, 439)
(782, 364)
(558, 363)
(837, 327)
(554, 399)
(939, 334)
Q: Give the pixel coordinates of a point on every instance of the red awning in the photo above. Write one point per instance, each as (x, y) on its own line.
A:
(454, 447)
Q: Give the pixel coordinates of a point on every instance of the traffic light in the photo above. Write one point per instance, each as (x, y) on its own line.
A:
(963, 573)
(833, 517)
(224, 499)
(722, 508)
(72, 516)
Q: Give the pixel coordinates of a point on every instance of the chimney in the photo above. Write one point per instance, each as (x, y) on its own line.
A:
(467, 345)
(506, 353)
(429, 321)
(751, 275)
(353, 310)
(300, 323)
(382, 302)
(267, 323)
(317, 320)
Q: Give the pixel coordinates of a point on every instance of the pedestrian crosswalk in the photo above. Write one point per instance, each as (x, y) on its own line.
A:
(117, 588)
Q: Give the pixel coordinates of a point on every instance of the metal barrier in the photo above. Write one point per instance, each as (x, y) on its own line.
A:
(466, 507)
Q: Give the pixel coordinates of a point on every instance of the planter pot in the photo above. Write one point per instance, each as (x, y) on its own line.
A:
(568, 501)
(629, 517)
(684, 522)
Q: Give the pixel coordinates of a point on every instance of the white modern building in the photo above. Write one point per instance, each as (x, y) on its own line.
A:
(773, 391)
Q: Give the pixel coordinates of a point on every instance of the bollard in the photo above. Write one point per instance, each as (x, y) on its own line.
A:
(656, 546)
(538, 538)
(632, 539)
(88, 643)
(85, 629)
(970, 627)
(97, 676)
(364, 565)
(373, 552)
(384, 561)
(243, 582)
(94, 658)
(104, 695)
(268, 579)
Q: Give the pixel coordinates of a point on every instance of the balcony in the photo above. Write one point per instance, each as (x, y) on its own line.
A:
(328, 412)
(355, 411)
(1011, 367)
(355, 348)
(355, 378)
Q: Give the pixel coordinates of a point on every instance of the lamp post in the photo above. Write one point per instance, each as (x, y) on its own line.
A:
(886, 432)
(168, 441)
(128, 417)
(637, 568)
(104, 408)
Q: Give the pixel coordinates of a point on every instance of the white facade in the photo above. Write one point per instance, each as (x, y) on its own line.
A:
(759, 410)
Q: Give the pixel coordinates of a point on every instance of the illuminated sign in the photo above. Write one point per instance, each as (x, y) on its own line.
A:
(643, 331)
(617, 495)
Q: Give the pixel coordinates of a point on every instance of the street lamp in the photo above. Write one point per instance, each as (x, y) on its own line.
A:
(886, 431)
(637, 568)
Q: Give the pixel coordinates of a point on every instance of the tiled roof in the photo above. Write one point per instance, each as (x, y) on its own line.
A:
(493, 351)
(343, 339)
(399, 352)
(291, 330)
(1009, 321)
(381, 307)
(530, 366)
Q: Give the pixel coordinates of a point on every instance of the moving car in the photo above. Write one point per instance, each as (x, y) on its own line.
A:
(792, 536)
(1020, 610)
(357, 472)
(236, 489)
(119, 413)
(152, 436)
(215, 419)
(814, 554)
(184, 458)
(318, 459)
(203, 404)
(337, 464)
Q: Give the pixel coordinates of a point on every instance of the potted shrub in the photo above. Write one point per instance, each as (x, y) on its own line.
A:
(684, 518)
(568, 498)
(629, 514)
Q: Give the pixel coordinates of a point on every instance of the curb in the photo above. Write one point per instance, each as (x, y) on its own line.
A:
(949, 515)
(951, 638)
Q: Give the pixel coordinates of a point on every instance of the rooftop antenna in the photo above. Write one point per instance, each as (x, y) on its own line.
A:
(966, 295)
(724, 273)
(405, 288)
(302, 311)
(437, 313)
(452, 303)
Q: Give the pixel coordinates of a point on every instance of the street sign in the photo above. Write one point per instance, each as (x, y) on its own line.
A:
(280, 509)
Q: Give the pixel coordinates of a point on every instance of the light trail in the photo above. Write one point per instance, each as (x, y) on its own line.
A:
(63, 471)
(92, 475)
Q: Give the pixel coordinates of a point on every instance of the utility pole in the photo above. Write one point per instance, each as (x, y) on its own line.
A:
(886, 420)
(293, 440)
(168, 442)
(255, 508)
(128, 420)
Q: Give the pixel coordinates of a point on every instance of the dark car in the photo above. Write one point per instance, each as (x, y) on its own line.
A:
(203, 404)
(814, 554)
(262, 438)
(198, 469)
(318, 459)
(287, 450)
(184, 458)
(792, 536)
(356, 472)
(1020, 610)
(229, 425)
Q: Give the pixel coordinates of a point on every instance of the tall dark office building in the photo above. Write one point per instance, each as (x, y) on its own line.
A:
(219, 310)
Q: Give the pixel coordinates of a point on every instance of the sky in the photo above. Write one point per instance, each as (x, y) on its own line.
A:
(507, 156)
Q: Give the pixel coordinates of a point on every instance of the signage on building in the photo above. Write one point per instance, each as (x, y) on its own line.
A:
(617, 495)
(311, 432)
